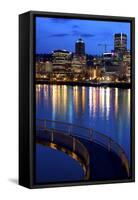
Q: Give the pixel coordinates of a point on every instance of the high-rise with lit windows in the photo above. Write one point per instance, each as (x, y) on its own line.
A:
(120, 42)
(80, 47)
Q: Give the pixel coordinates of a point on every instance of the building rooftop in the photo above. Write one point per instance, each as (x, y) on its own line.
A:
(61, 51)
(79, 41)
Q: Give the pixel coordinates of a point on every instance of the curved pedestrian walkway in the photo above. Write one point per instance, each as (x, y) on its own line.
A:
(100, 158)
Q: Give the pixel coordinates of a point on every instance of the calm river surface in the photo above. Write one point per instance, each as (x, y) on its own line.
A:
(106, 110)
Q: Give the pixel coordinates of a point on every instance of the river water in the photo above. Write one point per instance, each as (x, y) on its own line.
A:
(106, 110)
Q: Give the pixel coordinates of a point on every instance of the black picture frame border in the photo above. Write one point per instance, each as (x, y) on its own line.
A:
(30, 181)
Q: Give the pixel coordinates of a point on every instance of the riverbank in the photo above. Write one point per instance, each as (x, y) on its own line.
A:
(114, 85)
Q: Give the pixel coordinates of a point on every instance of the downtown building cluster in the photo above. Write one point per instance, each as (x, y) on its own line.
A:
(62, 65)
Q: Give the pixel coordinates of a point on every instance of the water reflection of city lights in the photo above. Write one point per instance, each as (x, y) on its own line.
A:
(70, 105)
(75, 98)
(102, 100)
(129, 101)
(38, 94)
(45, 91)
(54, 94)
(64, 98)
(107, 102)
(83, 98)
(105, 108)
(92, 101)
(116, 101)
(38, 87)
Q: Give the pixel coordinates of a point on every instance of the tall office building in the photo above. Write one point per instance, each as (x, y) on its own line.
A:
(110, 63)
(61, 60)
(80, 47)
(120, 42)
(127, 64)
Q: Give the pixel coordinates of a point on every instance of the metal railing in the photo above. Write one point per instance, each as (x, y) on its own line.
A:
(84, 133)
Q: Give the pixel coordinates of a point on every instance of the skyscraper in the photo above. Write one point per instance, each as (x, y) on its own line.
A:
(120, 42)
(80, 47)
(61, 60)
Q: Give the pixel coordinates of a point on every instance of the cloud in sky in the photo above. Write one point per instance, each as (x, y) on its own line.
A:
(75, 26)
(73, 33)
(86, 35)
(60, 20)
(61, 33)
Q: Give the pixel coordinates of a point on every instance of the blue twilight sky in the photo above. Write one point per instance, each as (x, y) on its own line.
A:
(60, 33)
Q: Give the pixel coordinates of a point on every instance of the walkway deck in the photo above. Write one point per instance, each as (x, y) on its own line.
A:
(103, 164)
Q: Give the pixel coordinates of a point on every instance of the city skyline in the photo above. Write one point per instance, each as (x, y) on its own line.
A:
(59, 33)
